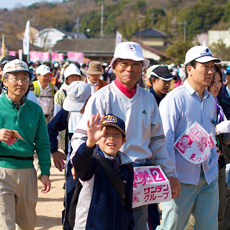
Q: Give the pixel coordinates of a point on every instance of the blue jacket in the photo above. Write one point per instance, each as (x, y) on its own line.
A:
(99, 205)
(224, 102)
(158, 99)
(58, 123)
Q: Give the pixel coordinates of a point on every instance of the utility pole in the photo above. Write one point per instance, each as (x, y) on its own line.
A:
(102, 13)
(184, 25)
(78, 24)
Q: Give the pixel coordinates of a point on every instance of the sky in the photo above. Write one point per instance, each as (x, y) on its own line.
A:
(10, 4)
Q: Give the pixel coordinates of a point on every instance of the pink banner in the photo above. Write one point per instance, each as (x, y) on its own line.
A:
(76, 57)
(13, 53)
(60, 57)
(45, 56)
(20, 54)
(54, 57)
(35, 56)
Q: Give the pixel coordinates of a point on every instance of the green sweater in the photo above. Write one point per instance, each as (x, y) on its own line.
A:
(30, 123)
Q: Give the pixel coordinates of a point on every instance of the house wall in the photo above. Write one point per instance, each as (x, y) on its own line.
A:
(150, 55)
(48, 38)
(151, 41)
(215, 35)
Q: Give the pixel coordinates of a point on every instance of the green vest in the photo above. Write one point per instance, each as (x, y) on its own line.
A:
(37, 89)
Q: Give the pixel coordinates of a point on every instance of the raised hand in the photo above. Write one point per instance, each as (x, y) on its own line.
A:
(95, 131)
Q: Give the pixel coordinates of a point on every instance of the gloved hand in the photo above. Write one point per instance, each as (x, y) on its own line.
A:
(223, 127)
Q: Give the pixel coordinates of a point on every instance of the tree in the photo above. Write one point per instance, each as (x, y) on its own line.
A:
(178, 50)
(220, 50)
(226, 16)
(200, 18)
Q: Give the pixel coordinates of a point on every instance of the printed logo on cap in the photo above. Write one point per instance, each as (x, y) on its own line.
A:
(206, 53)
(18, 65)
(110, 118)
(130, 47)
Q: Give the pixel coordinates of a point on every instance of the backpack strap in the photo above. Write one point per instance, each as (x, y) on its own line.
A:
(73, 205)
(52, 91)
(67, 134)
(113, 175)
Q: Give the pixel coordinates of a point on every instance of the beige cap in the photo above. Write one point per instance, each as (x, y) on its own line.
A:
(15, 66)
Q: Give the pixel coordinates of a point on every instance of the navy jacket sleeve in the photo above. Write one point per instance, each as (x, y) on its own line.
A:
(58, 123)
(84, 164)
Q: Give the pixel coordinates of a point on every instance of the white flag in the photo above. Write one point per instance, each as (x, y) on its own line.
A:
(118, 39)
(26, 39)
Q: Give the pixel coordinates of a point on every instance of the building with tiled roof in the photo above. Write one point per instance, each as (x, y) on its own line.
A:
(103, 49)
(152, 37)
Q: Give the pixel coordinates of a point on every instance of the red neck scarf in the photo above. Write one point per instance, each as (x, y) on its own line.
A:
(128, 92)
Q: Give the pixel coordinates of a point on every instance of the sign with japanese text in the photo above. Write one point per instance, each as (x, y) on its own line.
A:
(15, 136)
(195, 144)
(150, 185)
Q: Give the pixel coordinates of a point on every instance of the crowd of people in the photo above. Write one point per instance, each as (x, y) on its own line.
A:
(99, 122)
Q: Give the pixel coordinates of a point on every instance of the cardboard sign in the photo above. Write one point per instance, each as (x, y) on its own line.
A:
(195, 144)
(15, 136)
(150, 185)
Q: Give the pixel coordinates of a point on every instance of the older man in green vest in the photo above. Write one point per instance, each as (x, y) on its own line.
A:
(44, 91)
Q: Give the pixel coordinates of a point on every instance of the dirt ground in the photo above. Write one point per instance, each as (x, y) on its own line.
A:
(50, 205)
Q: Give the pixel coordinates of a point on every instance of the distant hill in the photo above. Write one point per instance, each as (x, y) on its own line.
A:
(126, 16)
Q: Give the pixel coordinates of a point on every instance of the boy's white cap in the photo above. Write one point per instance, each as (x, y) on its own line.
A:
(70, 70)
(43, 70)
(15, 66)
(200, 54)
(130, 50)
(77, 94)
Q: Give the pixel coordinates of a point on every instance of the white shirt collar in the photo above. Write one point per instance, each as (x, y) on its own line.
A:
(90, 83)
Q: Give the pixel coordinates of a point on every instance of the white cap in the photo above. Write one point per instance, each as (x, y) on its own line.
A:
(15, 66)
(77, 94)
(71, 70)
(132, 51)
(43, 70)
(200, 54)
(56, 64)
(149, 70)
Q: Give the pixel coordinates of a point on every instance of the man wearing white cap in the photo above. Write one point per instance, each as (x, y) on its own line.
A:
(22, 130)
(184, 108)
(44, 91)
(137, 107)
